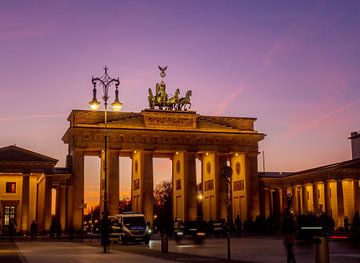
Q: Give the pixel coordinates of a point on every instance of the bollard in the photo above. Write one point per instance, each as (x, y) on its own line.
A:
(164, 243)
(321, 249)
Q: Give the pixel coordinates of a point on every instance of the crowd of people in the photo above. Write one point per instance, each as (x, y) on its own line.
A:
(260, 225)
(269, 225)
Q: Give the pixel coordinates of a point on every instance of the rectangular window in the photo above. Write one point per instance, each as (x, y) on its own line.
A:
(178, 184)
(10, 187)
(239, 185)
(209, 185)
(9, 214)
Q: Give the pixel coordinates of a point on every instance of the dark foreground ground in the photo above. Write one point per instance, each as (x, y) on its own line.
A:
(244, 249)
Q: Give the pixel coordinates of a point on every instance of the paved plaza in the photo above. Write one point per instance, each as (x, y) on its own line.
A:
(246, 249)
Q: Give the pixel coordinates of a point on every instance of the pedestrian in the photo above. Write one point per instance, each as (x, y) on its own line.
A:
(346, 224)
(33, 230)
(238, 224)
(12, 230)
(288, 230)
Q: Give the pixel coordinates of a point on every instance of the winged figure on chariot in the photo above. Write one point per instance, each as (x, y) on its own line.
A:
(162, 101)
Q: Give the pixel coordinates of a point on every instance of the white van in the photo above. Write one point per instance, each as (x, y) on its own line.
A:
(129, 226)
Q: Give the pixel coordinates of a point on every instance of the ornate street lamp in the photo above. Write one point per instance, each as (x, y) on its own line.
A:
(289, 195)
(227, 172)
(105, 81)
(199, 206)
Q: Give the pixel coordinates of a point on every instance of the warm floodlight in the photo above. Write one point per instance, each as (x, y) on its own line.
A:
(116, 105)
(94, 104)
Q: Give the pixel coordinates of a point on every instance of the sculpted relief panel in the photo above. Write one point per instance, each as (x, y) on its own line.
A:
(156, 120)
(166, 140)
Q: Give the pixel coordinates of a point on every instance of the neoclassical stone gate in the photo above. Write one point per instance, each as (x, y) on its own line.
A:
(181, 136)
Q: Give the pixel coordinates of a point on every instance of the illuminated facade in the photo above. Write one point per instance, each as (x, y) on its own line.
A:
(28, 180)
(181, 136)
(332, 189)
(26, 183)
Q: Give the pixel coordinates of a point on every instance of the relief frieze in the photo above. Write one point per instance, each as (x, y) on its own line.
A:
(167, 140)
(158, 120)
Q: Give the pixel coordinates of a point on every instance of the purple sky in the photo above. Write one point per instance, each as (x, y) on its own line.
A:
(292, 64)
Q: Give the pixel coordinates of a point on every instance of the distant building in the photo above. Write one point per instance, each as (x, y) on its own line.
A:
(333, 189)
(26, 182)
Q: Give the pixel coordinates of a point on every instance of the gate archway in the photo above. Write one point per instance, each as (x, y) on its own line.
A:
(182, 136)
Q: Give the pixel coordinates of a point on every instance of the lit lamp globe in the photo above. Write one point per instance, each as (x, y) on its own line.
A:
(117, 105)
(94, 104)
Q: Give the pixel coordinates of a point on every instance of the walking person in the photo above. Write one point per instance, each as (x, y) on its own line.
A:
(238, 225)
(12, 230)
(288, 230)
(33, 230)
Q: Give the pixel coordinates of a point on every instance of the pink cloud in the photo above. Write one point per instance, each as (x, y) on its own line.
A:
(16, 118)
(293, 36)
(228, 100)
(320, 119)
(13, 26)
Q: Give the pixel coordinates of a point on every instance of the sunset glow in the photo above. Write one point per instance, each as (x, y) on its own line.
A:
(294, 65)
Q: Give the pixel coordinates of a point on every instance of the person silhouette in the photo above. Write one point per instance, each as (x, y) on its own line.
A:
(12, 230)
(33, 230)
(238, 225)
(288, 230)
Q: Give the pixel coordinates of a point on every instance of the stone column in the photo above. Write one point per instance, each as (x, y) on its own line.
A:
(283, 199)
(113, 182)
(136, 174)
(221, 188)
(62, 206)
(304, 199)
(147, 192)
(78, 186)
(69, 202)
(327, 198)
(340, 201)
(357, 195)
(178, 181)
(57, 202)
(48, 203)
(190, 186)
(276, 204)
(267, 202)
(25, 204)
(348, 198)
(295, 200)
(253, 184)
(40, 202)
(315, 197)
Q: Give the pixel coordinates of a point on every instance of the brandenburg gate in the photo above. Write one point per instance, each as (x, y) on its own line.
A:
(172, 131)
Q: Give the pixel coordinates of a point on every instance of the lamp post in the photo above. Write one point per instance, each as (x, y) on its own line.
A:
(199, 207)
(227, 173)
(106, 82)
(289, 195)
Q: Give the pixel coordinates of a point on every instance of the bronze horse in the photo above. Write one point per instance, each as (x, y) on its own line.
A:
(161, 100)
(183, 102)
(173, 101)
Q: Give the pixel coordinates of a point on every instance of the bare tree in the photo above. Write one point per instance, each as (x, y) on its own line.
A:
(163, 206)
